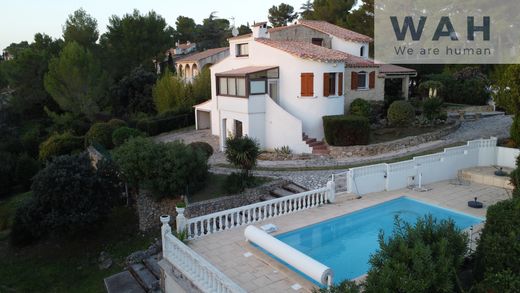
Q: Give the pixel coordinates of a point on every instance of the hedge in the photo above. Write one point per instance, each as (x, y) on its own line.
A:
(60, 144)
(155, 126)
(401, 113)
(346, 130)
(101, 133)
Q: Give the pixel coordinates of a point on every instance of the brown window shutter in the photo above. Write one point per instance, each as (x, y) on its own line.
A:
(372, 80)
(326, 84)
(307, 84)
(340, 84)
(354, 81)
(311, 84)
(303, 79)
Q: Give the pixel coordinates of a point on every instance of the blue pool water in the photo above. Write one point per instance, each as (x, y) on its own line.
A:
(345, 243)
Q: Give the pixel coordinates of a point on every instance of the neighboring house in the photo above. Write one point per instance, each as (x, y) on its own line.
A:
(189, 67)
(173, 54)
(6, 56)
(183, 49)
(277, 84)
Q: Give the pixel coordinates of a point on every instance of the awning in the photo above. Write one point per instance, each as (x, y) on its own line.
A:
(245, 70)
(395, 69)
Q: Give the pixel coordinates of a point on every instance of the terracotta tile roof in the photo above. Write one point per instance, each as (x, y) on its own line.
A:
(202, 55)
(306, 50)
(241, 37)
(186, 46)
(390, 68)
(260, 23)
(335, 30)
(245, 70)
(282, 28)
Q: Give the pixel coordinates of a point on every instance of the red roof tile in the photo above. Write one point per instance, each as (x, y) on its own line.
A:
(202, 55)
(390, 68)
(335, 30)
(306, 50)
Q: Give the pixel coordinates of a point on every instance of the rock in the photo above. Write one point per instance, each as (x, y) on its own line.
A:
(153, 249)
(105, 261)
(135, 257)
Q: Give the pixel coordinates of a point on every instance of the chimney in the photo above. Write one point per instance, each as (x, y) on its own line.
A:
(260, 30)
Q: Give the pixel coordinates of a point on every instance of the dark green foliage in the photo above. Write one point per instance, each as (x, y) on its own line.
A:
(401, 113)
(514, 131)
(121, 135)
(346, 130)
(117, 123)
(60, 144)
(433, 86)
(432, 108)
(204, 147)
(70, 197)
(101, 133)
(424, 257)
(80, 27)
(155, 126)
(26, 168)
(213, 33)
(343, 287)
(333, 11)
(281, 15)
(504, 282)
(360, 107)
(171, 169)
(242, 152)
(7, 167)
(30, 140)
(499, 246)
(515, 178)
(68, 122)
(202, 86)
(133, 93)
(237, 182)
(186, 29)
(467, 86)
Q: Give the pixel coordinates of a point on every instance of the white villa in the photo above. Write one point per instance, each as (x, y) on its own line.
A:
(278, 83)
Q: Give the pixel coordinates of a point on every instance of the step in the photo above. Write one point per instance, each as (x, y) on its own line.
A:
(321, 152)
(123, 282)
(316, 143)
(279, 192)
(320, 147)
(153, 266)
(310, 140)
(267, 197)
(147, 280)
(295, 188)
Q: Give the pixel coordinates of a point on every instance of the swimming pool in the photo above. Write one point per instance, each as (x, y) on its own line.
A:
(345, 243)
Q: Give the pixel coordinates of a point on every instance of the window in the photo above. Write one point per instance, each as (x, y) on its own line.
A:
(332, 84)
(242, 50)
(317, 41)
(257, 87)
(241, 87)
(307, 84)
(362, 80)
(362, 51)
(231, 86)
(223, 86)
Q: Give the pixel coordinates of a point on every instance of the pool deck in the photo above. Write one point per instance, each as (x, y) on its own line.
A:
(256, 272)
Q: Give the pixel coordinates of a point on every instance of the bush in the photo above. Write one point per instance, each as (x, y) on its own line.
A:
(31, 141)
(343, 287)
(73, 195)
(26, 168)
(171, 93)
(360, 107)
(467, 86)
(346, 130)
(432, 108)
(120, 135)
(117, 123)
(157, 126)
(424, 89)
(515, 178)
(514, 131)
(236, 183)
(499, 249)
(204, 147)
(27, 224)
(60, 144)
(101, 133)
(424, 257)
(7, 167)
(401, 113)
(170, 169)
(242, 152)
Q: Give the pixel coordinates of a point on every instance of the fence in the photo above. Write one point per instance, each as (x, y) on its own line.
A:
(424, 169)
(194, 267)
(228, 219)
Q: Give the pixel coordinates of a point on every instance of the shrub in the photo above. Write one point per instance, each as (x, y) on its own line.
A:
(117, 123)
(120, 135)
(155, 126)
(101, 133)
(27, 224)
(242, 152)
(7, 167)
(204, 147)
(514, 131)
(346, 130)
(238, 182)
(424, 257)
(360, 107)
(424, 89)
(60, 144)
(515, 178)
(467, 86)
(401, 113)
(171, 93)
(26, 168)
(499, 249)
(31, 141)
(73, 195)
(343, 287)
(432, 108)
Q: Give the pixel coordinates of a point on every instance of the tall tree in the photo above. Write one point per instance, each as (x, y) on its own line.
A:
(333, 11)
(282, 15)
(82, 28)
(244, 30)
(186, 29)
(133, 93)
(134, 40)
(214, 32)
(76, 80)
(306, 9)
(171, 93)
(15, 48)
(361, 20)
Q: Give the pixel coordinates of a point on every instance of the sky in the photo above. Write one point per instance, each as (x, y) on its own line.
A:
(21, 19)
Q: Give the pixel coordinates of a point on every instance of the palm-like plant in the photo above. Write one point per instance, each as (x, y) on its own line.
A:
(242, 152)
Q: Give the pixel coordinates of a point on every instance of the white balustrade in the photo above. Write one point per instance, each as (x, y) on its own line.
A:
(194, 267)
(228, 219)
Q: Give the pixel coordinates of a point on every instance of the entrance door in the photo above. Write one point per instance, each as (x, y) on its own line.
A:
(238, 129)
(273, 90)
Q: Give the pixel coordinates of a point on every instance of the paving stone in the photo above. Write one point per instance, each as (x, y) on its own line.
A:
(123, 282)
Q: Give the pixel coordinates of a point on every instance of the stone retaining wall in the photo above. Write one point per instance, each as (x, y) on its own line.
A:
(391, 146)
(150, 210)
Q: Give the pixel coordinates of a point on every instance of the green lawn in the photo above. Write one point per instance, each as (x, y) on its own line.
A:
(69, 265)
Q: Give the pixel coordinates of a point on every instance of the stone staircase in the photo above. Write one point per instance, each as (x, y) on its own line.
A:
(318, 147)
(143, 276)
(285, 190)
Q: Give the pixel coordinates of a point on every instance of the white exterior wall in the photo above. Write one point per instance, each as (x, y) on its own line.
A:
(506, 157)
(349, 47)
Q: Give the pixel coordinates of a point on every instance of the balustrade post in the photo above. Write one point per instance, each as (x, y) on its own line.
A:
(181, 221)
(331, 191)
(165, 229)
